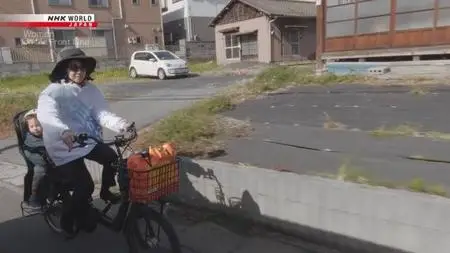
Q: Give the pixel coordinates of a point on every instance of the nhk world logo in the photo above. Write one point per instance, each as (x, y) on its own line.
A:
(48, 20)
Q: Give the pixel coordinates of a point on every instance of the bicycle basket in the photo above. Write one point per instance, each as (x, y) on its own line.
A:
(149, 183)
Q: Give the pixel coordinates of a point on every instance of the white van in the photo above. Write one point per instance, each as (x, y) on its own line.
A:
(159, 63)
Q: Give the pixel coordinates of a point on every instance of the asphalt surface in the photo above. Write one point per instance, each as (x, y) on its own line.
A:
(198, 231)
(289, 132)
(361, 107)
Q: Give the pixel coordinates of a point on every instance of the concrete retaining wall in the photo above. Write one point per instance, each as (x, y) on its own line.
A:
(435, 68)
(344, 215)
(349, 217)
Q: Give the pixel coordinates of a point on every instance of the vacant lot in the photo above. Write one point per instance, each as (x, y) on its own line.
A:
(385, 133)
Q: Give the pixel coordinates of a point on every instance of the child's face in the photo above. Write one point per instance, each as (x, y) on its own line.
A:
(34, 127)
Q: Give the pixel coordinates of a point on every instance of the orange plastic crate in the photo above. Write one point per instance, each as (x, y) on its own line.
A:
(154, 183)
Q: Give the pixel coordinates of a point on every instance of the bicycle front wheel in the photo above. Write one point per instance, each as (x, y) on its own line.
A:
(148, 231)
(52, 216)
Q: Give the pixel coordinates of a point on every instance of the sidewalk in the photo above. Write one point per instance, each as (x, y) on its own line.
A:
(199, 232)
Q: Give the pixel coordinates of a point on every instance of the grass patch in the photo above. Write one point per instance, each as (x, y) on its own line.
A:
(10, 104)
(419, 185)
(202, 66)
(332, 124)
(20, 93)
(197, 130)
(111, 75)
(36, 82)
(284, 76)
(401, 130)
(419, 91)
(350, 173)
(410, 131)
(29, 83)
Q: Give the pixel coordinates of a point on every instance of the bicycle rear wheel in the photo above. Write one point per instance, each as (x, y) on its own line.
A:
(144, 229)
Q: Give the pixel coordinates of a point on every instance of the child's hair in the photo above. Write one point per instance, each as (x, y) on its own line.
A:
(27, 118)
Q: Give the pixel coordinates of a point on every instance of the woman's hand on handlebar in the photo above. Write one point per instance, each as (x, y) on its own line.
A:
(118, 140)
(129, 128)
(68, 137)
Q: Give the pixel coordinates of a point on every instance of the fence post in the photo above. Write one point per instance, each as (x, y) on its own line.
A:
(183, 48)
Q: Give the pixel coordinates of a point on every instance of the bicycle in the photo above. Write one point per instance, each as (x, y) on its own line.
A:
(132, 207)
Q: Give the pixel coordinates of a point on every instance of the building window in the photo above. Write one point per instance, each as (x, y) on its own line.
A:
(136, 2)
(414, 20)
(444, 17)
(339, 13)
(339, 2)
(408, 5)
(98, 3)
(18, 41)
(98, 33)
(60, 2)
(373, 25)
(443, 3)
(340, 19)
(374, 8)
(154, 2)
(232, 47)
(63, 38)
(340, 29)
(249, 45)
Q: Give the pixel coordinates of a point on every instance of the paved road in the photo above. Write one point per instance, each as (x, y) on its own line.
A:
(199, 232)
(153, 100)
(293, 121)
(356, 106)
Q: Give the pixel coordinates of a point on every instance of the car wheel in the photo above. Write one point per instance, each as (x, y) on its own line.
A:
(133, 73)
(161, 74)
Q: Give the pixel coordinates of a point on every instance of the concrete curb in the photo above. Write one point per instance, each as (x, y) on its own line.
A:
(345, 216)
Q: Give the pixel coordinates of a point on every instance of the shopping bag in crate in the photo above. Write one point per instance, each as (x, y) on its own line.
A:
(154, 175)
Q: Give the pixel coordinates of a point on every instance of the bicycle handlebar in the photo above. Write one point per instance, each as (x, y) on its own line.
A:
(119, 140)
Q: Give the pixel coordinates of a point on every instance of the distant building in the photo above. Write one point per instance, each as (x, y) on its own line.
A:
(189, 19)
(124, 26)
(383, 30)
(265, 31)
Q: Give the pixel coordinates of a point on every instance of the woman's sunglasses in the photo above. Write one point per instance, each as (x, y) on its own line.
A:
(76, 66)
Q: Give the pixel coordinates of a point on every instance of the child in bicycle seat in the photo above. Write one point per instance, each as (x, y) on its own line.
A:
(34, 151)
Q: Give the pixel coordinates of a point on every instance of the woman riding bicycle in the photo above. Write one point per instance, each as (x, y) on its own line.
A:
(71, 104)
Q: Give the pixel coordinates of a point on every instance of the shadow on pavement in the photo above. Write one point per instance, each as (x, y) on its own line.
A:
(190, 75)
(8, 148)
(32, 235)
